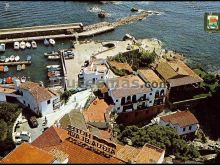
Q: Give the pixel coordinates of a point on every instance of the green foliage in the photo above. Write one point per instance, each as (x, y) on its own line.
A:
(147, 58)
(209, 79)
(66, 94)
(3, 130)
(160, 136)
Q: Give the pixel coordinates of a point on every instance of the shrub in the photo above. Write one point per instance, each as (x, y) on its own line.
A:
(209, 79)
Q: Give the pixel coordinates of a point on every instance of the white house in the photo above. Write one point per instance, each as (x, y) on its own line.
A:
(183, 122)
(95, 72)
(130, 93)
(39, 99)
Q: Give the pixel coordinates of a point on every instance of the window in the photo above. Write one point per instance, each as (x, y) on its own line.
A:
(150, 102)
(150, 93)
(24, 102)
(48, 101)
(190, 127)
(184, 129)
(118, 108)
(116, 100)
(101, 77)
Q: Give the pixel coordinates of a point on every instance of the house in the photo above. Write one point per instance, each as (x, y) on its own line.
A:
(133, 100)
(37, 98)
(93, 73)
(184, 122)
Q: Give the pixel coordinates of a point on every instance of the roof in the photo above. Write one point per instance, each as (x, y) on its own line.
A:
(7, 90)
(39, 93)
(120, 66)
(58, 154)
(181, 118)
(149, 75)
(96, 111)
(26, 153)
(149, 154)
(51, 137)
(177, 73)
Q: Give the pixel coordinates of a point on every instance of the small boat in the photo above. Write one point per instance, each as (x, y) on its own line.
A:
(16, 45)
(46, 42)
(12, 58)
(7, 59)
(17, 58)
(2, 58)
(19, 67)
(1, 80)
(53, 73)
(1, 68)
(2, 47)
(28, 58)
(133, 9)
(53, 53)
(23, 79)
(4, 81)
(34, 44)
(6, 68)
(22, 45)
(28, 44)
(53, 66)
(23, 66)
(53, 69)
(55, 78)
(102, 14)
(52, 41)
(53, 57)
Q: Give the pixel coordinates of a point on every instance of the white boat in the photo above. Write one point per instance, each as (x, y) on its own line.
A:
(17, 58)
(23, 79)
(46, 42)
(28, 44)
(16, 45)
(19, 67)
(12, 58)
(22, 45)
(7, 59)
(53, 66)
(23, 66)
(34, 44)
(52, 41)
(2, 47)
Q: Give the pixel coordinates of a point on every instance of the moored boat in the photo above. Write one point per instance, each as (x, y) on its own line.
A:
(53, 69)
(9, 80)
(46, 42)
(1, 68)
(2, 58)
(6, 68)
(28, 58)
(28, 44)
(18, 67)
(2, 47)
(17, 58)
(1, 80)
(34, 44)
(53, 57)
(7, 59)
(53, 53)
(53, 73)
(23, 66)
(22, 45)
(16, 45)
(53, 66)
(52, 41)
(12, 58)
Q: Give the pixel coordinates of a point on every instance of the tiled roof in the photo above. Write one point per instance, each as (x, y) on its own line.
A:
(127, 153)
(38, 92)
(58, 154)
(149, 75)
(7, 90)
(166, 71)
(96, 111)
(26, 153)
(120, 66)
(51, 137)
(149, 154)
(183, 81)
(181, 118)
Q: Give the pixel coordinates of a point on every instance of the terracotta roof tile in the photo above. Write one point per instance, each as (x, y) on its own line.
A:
(182, 118)
(38, 92)
(120, 66)
(149, 75)
(26, 153)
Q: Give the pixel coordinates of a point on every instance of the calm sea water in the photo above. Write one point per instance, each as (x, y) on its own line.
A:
(179, 27)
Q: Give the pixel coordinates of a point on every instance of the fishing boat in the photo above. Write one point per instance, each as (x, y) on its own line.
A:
(22, 45)
(34, 44)
(2, 58)
(9, 80)
(12, 58)
(17, 58)
(53, 66)
(53, 53)
(52, 41)
(7, 59)
(19, 67)
(16, 45)
(53, 57)
(23, 66)
(28, 58)
(46, 42)
(1, 68)
(6, 68)
(2, 47)
(23, 79)
(28, 44)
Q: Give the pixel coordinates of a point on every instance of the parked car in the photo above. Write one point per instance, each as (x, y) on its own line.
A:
(33, 122)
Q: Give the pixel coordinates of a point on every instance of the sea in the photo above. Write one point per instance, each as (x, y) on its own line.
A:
(179, 25)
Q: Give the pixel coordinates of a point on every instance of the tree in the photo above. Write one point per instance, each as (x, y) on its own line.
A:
(209, 79)
(3, 130)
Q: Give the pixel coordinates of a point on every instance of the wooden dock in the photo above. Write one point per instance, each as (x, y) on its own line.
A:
(15, 63)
